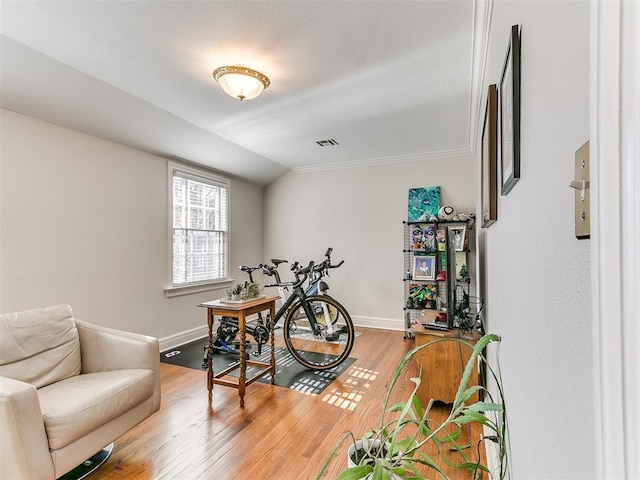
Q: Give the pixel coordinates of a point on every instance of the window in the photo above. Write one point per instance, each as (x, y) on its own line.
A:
(199, 227)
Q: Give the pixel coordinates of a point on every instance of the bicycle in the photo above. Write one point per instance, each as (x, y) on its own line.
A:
(317, 330)
(228, 326)
(316, 285)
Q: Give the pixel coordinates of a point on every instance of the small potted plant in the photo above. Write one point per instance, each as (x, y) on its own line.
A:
(250, 291)
(395, 446)
(464, 273)
(236, 292)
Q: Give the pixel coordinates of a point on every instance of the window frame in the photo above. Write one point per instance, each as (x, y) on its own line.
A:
(210, 178)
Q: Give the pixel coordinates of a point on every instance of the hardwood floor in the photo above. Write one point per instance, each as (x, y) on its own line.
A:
(280, 434)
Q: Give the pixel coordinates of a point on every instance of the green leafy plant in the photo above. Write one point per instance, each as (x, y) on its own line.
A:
(245, 291)
(464, 273)
(405, 428)
(250, 290)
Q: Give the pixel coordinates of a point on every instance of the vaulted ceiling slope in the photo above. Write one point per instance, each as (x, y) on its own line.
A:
(387, 80)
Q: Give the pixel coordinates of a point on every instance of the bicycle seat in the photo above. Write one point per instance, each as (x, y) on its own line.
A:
(277, 262)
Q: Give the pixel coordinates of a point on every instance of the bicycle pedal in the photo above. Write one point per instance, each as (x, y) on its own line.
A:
(332, 337)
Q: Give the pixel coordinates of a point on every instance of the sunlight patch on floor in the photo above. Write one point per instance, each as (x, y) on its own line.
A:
(349, 393)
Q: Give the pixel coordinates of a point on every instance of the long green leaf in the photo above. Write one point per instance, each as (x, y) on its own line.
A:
(334, 451)
(485, 407)
(468, 393)
(477, 351)
(355, 473)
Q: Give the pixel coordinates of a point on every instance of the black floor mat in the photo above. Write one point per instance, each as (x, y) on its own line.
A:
(289, 373)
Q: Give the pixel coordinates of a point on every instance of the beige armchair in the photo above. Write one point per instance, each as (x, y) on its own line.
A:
(68, 389)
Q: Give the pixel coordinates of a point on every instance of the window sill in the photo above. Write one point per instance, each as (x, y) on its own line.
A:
(198, 288)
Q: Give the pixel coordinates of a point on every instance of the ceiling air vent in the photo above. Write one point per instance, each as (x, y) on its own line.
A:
(325, 143)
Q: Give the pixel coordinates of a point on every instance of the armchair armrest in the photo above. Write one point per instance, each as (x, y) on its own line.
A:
(104, 349)
(24, 448)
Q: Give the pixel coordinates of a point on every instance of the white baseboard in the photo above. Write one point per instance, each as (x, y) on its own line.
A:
(187, 336)
(377, 322)
(492, 451)
(181, 338)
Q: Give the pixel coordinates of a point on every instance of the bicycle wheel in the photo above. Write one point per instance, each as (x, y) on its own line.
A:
(317, 350)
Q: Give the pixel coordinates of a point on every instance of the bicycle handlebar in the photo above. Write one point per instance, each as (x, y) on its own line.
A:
(301, 274)
(248, 269)
(305, 270)
(326, 264)
(298, 271)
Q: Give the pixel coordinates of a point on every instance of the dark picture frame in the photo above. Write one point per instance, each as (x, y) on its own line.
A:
(489, 159)
(509, 99)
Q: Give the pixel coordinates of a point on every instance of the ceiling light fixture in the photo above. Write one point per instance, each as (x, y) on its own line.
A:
(240, 81)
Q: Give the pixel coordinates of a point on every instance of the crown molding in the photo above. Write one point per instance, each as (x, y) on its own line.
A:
(414, 157)
(482, 10)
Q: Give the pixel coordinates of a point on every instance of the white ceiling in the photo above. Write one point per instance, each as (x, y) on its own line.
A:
(388, 80)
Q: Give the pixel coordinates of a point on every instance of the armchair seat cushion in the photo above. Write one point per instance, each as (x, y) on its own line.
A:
(73, 407)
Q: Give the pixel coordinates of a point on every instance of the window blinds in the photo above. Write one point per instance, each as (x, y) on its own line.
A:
(200, 228)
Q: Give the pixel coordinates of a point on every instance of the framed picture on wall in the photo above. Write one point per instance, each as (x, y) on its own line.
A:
(489, 160)
(424, 203)
(424, 267)
(458, 234)
(509, 99)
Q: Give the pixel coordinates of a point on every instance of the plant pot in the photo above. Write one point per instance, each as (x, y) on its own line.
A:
(235, 298)
(358, 447)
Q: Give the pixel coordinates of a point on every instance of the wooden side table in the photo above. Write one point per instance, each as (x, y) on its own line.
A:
(443, 363)
(240, 311)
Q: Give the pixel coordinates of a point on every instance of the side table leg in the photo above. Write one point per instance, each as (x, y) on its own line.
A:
(243, 357)
(210, 356)
(272, 327)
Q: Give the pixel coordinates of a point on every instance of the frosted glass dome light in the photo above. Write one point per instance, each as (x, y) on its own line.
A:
(241, 82)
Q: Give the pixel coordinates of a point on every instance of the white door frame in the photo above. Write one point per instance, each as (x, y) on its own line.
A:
(615, 234)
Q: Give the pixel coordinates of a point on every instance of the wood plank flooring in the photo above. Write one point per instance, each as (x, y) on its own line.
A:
(280, 434)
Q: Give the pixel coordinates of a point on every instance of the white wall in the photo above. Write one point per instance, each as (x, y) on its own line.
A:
(359, 212)
(537, 274)
(84, 221)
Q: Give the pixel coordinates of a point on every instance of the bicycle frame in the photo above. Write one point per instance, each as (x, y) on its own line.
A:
(315, 287)
(299, 294)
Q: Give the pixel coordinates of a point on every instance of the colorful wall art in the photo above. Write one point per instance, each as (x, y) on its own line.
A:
(423, 238)
(424, 204)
